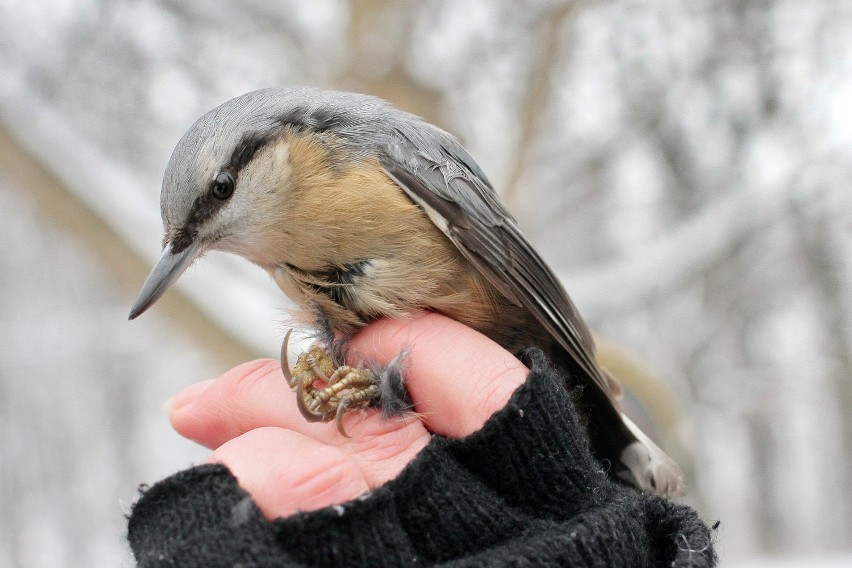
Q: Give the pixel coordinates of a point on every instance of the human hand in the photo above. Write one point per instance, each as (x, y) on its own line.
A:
(457, 379)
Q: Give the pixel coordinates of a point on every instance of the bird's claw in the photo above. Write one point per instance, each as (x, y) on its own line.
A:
(324, 390)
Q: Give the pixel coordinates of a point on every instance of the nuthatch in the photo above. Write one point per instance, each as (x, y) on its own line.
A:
(360, 211)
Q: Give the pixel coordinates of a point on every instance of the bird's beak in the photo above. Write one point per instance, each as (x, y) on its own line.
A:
(168, 269)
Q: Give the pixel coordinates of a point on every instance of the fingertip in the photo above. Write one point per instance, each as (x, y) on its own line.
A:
(209, 412)
(186, 396)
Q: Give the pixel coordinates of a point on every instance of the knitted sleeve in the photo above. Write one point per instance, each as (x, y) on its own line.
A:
(524, 490)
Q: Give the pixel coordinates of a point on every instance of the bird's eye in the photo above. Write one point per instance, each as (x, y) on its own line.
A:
(223, 186)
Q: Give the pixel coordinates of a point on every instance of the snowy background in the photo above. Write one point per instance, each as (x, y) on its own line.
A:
(685, 166)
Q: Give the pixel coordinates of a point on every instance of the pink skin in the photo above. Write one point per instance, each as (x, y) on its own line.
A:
(457, 379)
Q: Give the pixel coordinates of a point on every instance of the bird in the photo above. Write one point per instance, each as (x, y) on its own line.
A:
(358, 211)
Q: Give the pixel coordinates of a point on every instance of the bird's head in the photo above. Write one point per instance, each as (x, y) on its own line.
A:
(227, 183)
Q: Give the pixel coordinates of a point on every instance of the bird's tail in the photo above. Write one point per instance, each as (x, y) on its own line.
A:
(616, 440)
(645, 465)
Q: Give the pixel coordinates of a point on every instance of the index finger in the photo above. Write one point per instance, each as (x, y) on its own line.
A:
(456, 376)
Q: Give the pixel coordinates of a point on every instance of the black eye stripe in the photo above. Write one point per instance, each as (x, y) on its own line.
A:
(207, 204)
(204, 207)
(249, 145)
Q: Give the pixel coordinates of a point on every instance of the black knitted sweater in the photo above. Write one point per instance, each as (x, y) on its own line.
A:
(522, 491)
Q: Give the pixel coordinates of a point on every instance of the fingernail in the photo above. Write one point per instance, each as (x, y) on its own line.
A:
(186, 396)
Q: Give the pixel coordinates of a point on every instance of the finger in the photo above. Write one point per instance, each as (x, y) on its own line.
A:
(286, 472)
(457, 377)
(255, 395)
(248, 396)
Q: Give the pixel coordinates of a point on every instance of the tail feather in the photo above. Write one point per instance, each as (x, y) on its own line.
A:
(647, 466)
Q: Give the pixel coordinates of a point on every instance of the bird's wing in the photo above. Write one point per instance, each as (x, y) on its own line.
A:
(445, 181)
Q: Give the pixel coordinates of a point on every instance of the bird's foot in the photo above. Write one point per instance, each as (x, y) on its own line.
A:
(325, 389)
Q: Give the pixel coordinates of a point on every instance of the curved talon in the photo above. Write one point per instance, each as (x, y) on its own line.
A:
(341, 410)
(310, 415)
(285, 364)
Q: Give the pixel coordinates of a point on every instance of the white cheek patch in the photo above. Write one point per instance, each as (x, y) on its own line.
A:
(267, 172)
(257, 183)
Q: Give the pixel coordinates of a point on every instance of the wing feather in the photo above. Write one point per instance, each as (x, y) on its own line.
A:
(458, 198)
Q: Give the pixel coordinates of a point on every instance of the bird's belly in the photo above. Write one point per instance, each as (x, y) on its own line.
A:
(349, 297)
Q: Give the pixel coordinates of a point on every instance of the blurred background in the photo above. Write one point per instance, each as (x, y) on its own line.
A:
(684, 165)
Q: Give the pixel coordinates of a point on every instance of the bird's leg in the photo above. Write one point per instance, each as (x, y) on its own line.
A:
(326, 389)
